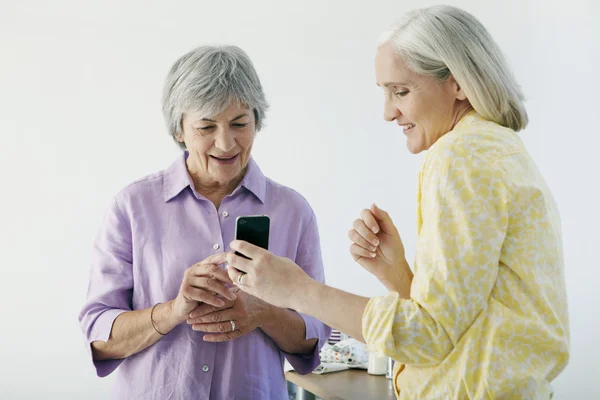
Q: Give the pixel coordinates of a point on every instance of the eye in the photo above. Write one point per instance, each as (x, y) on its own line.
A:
(401, 94)
(206, 128)
(238, 125)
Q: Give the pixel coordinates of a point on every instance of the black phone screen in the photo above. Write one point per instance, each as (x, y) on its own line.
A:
(253, 229)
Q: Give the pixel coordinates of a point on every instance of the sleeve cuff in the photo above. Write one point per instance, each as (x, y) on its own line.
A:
(377, 322)
(306, 363)
(100, 330)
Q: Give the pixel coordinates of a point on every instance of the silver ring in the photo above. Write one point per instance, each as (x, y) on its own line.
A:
(240, 279)
(232, 325)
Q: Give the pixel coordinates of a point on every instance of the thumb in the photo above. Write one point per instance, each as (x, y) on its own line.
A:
(384, 220)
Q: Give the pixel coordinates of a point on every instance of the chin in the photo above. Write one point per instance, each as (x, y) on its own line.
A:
(226, 177)
(414, 149)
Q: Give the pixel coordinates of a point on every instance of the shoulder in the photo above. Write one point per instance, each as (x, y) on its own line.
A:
(480, 139)
(475, 153)
(478, 145)
(146, 189)
(282, 194)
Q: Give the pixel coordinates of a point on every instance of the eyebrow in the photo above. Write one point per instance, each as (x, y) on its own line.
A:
(235, 119)
(386, 84)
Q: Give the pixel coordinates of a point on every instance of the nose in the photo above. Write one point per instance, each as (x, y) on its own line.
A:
(390, 111)
(225, 140)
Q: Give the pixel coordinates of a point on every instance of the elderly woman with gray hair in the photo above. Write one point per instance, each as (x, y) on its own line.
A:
(485, 314)
(157, 258)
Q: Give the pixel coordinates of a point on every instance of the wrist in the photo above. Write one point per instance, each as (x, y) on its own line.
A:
(269, 315)
(164, 317)
(398, 279)
(307, 293)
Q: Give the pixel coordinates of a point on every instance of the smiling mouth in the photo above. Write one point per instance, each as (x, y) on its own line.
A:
(225, 160)
(407, 127)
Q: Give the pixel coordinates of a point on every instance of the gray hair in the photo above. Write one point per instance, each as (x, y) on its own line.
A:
(209, 79)
(441, 41)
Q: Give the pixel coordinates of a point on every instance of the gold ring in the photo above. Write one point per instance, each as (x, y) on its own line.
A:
(240, 279)
(232, 326)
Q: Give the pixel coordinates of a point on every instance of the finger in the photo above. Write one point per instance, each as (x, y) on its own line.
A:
(384, 219)
(222, 337)
(218, 316)
(248, 249)
(359, 240)
(204, 309)
(366, 233)
(212, 271)
(219, 327)
(369, 220)
(240, 263)
(211, 284)
(201, 295)
(235, 277)
(216, 259)
(358, 252)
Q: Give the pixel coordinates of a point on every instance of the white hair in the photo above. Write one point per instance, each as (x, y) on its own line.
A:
(441, 41)
(209, 79)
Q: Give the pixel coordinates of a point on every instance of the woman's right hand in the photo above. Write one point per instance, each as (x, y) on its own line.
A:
(203, 282)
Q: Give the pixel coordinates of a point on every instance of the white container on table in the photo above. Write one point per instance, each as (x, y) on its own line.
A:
(377, 365)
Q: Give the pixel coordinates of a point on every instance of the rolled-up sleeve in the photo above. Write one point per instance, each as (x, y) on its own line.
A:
(457, 264)
(309, 258)
(110, 286)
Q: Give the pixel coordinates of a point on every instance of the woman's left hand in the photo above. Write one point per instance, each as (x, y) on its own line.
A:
(266, 276)
(378, 248)
(246, 311)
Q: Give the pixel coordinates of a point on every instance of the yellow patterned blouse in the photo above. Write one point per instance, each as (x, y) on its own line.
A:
(487, 317)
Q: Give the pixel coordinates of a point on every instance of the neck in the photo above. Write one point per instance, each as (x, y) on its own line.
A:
(461, 111)
(210, 188)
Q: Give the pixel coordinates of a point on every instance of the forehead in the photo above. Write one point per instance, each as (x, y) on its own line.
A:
(390, 69)
(232, 111)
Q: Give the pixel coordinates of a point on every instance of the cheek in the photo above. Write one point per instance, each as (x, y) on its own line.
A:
(199, 145)
(409, 107)
(246, 140)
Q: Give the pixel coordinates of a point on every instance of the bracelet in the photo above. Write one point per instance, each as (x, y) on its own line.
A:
(152, 320)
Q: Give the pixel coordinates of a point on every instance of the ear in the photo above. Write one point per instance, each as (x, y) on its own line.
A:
(179, 135)
(457, 89)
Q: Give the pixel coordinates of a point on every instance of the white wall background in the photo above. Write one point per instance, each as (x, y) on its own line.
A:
(80, 87)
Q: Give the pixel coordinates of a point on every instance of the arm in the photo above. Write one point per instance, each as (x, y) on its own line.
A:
(302, 346)
(457, 258)
(132, 332)
(110, 291)
(112, 329)
(343, 311)
(465, 220)
(288, 331)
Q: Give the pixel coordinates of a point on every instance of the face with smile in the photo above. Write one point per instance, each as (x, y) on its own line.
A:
(425, 107)
(219, 146)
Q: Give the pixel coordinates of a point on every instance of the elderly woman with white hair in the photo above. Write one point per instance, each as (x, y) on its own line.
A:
(485, 314)
(157, 261)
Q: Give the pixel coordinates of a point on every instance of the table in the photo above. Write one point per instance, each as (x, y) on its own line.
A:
(343, 385)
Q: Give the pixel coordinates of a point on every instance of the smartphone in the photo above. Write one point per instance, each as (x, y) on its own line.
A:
(253, 229)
